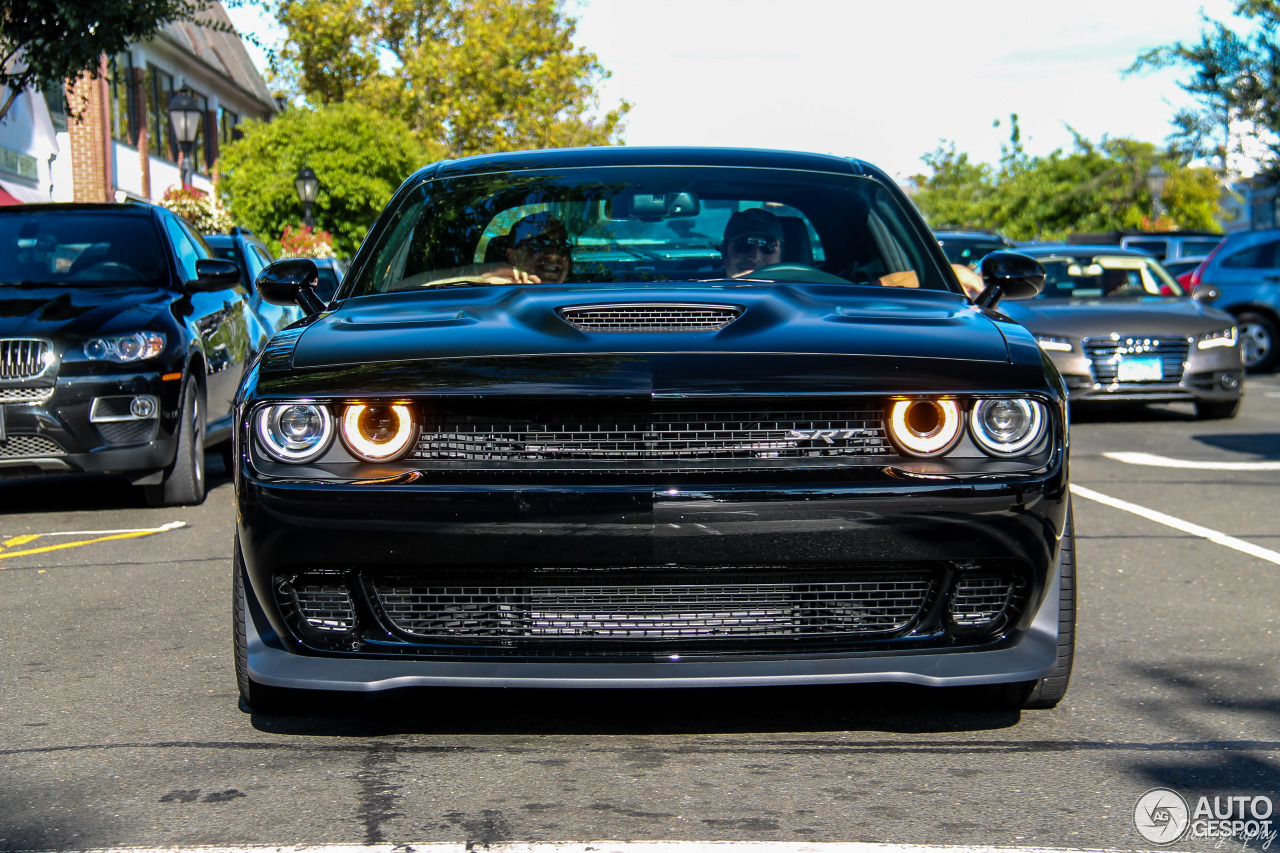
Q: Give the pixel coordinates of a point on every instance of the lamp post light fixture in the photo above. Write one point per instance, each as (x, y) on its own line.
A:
(307, 185)
(186, 116)
(1155, 179)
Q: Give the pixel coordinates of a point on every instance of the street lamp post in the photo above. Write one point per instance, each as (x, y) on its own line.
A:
(307, 185)
(1156, 178)
(185, 116)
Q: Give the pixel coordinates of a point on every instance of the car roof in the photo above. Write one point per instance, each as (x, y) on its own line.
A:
(977, 235)
(627, 155)
(130, 208)
(1081, 249)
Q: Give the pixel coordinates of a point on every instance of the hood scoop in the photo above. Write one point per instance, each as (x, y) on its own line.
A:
(650, 317)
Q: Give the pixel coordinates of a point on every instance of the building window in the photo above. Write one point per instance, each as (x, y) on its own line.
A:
(227, 129)
(55, 97)
(124, 125)
(159, 90)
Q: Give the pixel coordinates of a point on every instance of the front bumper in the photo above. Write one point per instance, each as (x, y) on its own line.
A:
(483, 532)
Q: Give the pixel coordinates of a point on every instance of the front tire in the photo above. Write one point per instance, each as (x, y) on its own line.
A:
(184, 481)
(254, 697)
(1258, 340)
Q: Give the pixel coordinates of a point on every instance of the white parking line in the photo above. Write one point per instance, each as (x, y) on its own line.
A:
(1212, 535)
(609, 847)
(1155, 461)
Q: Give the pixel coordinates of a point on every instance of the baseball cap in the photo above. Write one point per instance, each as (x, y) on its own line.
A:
(753, 221)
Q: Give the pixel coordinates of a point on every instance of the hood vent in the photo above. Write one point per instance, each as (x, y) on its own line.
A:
(650, 317)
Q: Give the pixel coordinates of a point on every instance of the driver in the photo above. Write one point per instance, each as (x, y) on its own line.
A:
(752, 239)
(540, 250)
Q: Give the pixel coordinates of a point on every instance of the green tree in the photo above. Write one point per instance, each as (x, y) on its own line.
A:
(468, 76)
(359, 155)
(1234, 83)
(1093, 187)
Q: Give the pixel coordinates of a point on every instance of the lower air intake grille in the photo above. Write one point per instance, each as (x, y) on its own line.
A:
(980, 598)
(650, 317)
(1108, 356)
(25, 395)
(326, 607)
(688, 433)
(873, 605)
(29, 446)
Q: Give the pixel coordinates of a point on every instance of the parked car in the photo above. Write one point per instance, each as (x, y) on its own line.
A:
(122, 342)
(1121, 329)
(1182, 268)
(1173, 246)
(251, 255)
(647, 465)
(1244, 273)
(330, 272)
(968, 247)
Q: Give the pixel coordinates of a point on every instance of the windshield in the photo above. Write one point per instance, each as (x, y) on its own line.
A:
(647, 224)
(1093, 276)
(80, 248)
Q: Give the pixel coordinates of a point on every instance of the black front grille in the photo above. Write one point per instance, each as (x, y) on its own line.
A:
(875, 605)
(1107, 354)
(29, 446)
(23, 358)
(618, 433)
(650, 317)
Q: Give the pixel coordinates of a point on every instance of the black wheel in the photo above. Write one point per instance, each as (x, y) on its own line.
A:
(1048, 691)
(254, 697)
(184, 483)
(1258, 339)
(1217, 410)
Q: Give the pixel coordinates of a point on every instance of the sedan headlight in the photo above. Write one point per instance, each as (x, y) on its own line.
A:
(125, 348)
(294, 432)
(1052, 344)
(925, 427)
(1007, 427)
(1220, 338)
(379, 432)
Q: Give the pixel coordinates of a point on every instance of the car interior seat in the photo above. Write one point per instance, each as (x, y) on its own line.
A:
(496, 251)
(796, 246)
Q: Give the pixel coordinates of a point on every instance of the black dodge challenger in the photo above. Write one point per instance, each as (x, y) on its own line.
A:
(629, 417)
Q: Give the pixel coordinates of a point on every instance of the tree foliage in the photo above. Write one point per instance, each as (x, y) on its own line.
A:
(45, 42)
(359, 155)
(1094, 187)
(468, 76)
(1234, 82)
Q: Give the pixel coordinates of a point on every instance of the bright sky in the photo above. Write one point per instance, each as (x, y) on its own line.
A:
(883, 80)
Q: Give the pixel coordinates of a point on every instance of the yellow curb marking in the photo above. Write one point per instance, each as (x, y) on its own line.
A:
(114, 534)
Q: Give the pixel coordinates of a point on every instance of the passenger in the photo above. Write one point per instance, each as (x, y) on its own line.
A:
(752, 239)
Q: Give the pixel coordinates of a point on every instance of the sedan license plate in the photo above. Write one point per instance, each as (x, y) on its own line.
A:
(1140, 370)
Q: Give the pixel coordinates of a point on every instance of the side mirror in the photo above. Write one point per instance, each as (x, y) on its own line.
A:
(1205, 293)
(1010, 274)
(291, 282)
(214, 274)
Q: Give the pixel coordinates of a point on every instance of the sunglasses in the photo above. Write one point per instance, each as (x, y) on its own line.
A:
(766, 245)
(545, 245)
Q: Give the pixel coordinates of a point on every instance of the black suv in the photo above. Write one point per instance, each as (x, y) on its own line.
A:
(969, 247)
(251, 255)
(122, 342)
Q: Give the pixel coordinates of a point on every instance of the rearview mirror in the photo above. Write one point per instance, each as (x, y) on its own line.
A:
(291, 282)
(214, 274)
(652, 207)
(1010, 274)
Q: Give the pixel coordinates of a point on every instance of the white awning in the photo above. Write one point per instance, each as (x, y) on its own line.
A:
(24, 194)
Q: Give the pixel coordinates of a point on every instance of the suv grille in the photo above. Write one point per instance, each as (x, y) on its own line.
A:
(511, 432)
(26, 446)
(1105, 355)
(22, 358)
(649, 317)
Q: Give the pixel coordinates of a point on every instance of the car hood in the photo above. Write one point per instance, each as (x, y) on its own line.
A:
(59, 312)
(1099, 317)
(788, 338)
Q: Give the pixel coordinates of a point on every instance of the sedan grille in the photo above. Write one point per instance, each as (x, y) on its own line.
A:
(23, 358)
(1107, 354)
(512, 432)
(650, 317)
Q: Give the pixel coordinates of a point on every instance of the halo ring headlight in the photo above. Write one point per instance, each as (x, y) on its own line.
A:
(1007, 427)
(294, 432)
(379, 432)
(925, 427)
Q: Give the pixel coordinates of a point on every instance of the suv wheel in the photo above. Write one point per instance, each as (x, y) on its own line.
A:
(183, 483)
(1258, 339)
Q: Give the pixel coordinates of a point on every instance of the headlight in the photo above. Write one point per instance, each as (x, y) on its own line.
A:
(295, 432)
(1220, 338)
(1007, 427)
(123, 348)
(1051, 344)
(925, 427)
(379, 432)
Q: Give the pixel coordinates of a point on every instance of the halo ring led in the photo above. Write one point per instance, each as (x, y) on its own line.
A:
(907, 433)
(1009, 444)
(371, 449)
(286, 443)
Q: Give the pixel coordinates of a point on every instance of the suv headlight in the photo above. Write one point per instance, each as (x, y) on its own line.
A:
(125, 348)
(294, 432)
(1007, 427)
(1220, 338)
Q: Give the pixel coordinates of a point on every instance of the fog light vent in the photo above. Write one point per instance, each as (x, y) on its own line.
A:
(323, 603)
(980, 598)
